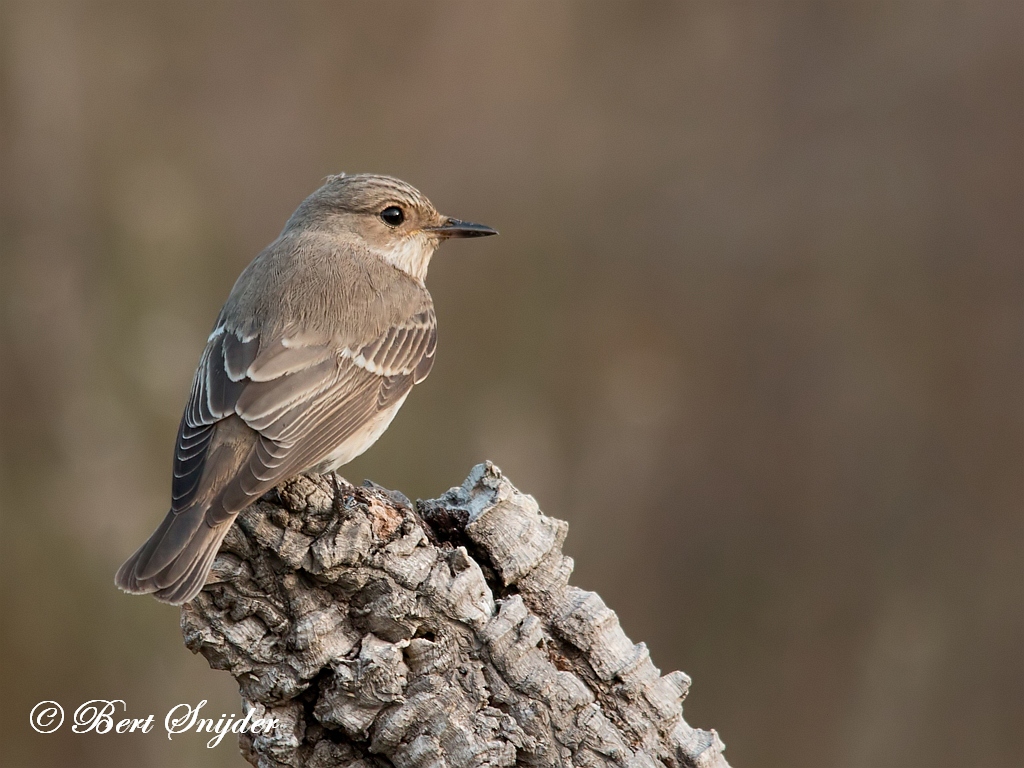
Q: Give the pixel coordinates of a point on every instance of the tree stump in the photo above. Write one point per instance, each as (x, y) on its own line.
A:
(382, 633)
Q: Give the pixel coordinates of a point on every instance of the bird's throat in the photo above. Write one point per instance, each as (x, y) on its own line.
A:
(412, 255)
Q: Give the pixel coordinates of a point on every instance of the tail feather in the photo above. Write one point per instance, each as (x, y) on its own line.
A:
(169, 541)
(190, 553)
(191, 582)
(174, 563)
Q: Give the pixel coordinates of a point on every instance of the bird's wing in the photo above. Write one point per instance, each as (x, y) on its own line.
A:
(302, 394)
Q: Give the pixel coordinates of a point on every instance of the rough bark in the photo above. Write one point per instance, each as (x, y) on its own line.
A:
(445, 634)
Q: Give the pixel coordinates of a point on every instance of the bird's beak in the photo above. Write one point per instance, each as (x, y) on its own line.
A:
(456, 228)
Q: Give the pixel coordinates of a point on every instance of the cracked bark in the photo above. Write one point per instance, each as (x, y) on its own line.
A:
(446, 634)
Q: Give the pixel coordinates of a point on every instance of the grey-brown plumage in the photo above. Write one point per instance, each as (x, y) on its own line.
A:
(319, 343)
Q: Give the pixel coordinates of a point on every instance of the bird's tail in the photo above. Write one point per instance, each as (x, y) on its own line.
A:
(174, 562)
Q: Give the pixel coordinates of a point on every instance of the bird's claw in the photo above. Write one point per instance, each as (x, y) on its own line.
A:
(336, 504)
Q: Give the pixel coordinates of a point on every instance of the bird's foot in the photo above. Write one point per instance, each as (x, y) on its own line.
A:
(338, 481)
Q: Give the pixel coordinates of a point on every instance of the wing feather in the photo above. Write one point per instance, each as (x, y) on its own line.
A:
(426, 356)
(221, 389)
(304, 395)
(263, 403)
(239, 354)
(287, 355)
(346, 420)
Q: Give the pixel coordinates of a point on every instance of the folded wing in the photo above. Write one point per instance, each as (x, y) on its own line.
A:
(302, 395)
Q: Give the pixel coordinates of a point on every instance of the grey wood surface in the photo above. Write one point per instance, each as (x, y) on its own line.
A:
(382, 633)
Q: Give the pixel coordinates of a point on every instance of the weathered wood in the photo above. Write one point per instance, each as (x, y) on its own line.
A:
(445, 635)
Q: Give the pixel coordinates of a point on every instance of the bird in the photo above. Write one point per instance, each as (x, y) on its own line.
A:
(318, 345)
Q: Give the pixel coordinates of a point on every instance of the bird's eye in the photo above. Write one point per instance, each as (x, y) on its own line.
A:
(392, 216)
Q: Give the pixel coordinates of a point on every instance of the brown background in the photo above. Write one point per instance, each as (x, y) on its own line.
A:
(754, 327)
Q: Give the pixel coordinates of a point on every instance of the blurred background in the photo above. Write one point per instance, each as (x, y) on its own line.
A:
(754, 326)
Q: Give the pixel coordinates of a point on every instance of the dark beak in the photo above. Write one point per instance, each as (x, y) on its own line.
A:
(456, 228)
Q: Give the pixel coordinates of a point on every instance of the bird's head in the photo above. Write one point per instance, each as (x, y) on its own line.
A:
(391, 218)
